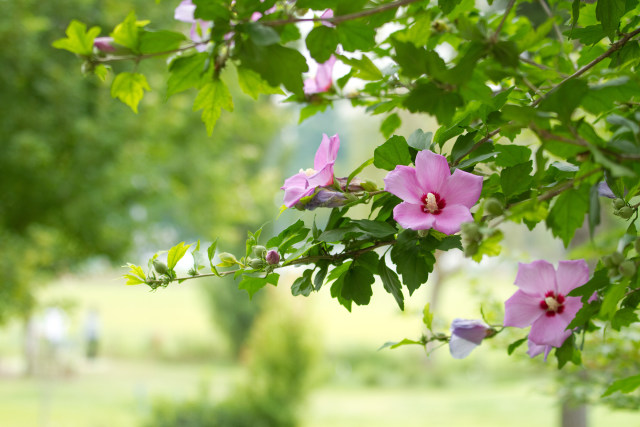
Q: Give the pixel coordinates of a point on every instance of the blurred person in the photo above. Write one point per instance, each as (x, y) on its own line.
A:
(92, 333)
(54, 332)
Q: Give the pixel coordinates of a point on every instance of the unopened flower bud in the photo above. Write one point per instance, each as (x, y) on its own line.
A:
(470, 230)
(619, 203)
(607, 261)
(627, 268)
(259, 251)
(625, 212)
(471, 248)
(227, 259)
(273, 257)
(160, 267)
(257, 263)
(368, 185)
(493, 206)
(104, 44)
(617, 258)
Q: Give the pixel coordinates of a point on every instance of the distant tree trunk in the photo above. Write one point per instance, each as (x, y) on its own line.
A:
(574, 416)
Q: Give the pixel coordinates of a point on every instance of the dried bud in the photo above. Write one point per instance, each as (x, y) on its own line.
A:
(160, 267)
(259, 251)
(273, 257)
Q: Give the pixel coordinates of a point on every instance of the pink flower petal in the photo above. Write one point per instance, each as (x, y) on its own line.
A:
(473, 330)
(327, 152)
(411, 216)
(522, 309)
(310, 86)
(323, 79)
(571, 306)
(295, 188)
(322, 177)
(432, 171)
(571, 274)
(184, 11)
(402, 182)
(450, 218)
(549, 331)
(535, 349)
(462, 188)
(460, 347)
(327, 14)
(537, 278)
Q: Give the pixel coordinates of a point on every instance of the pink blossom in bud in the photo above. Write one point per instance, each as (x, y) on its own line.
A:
(432, 196)
(104, 44)
(466, 335)
(543, 302)
(305, 182)
(323, 80)
(273, 257)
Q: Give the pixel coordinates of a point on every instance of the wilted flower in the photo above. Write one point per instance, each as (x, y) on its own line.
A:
(432, 196)
(605, 191)
(542, 300)
(467, 334)
(323, 79)
(305, 182)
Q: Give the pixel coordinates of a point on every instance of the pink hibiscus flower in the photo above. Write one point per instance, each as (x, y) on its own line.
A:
(467, 334)
(542, 300)
(323, 80)
(432, 196)
(305, 182)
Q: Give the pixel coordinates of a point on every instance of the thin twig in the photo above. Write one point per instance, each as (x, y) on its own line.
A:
(494, 36)
(342, 18)
(546, 9)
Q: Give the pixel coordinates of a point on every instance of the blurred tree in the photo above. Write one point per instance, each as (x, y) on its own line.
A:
(81, 177)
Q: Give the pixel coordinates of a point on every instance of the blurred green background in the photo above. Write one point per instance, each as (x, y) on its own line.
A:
(87, 186)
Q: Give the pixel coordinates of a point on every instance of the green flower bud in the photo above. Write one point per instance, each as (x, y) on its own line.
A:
(470, 230)
(471, 249)
(369, 185)
(259, 251)
(607, 261)
(257, 263)
(227, 259)
(617, 258)
(625, 212)
(619, 203)
(160, 267)
(493, 206)
(627, 268)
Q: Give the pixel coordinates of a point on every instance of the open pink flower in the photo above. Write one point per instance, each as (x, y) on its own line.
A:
(432, 196)
(323, 80)
(199, 28)
(305, 182)
(542, 300)
(467, 334)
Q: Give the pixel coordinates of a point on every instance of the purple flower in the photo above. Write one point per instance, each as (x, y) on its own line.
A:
(272, 257)
(432, 196)
(466, 335)
(305, 182)
(322, 81)
(605, 191)
(199, 28)
(542, 300)
(535, 349)
(104, 44)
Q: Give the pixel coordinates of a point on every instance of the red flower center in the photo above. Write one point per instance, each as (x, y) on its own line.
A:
(432, 203)
(552, 303)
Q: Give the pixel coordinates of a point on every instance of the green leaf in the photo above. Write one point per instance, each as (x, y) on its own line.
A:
(393, 152)
(160, 41)
(211, 99)
(427, 316)
(288, 237)
(420, 140)
(624, 317)
(431, 99)
(490, 246)
(357, 285)
(516, 179)
(262, 35)
(390, 124)
(302, 285)
(212, 10)
(447, 6)
(186, 72)
(375, 229)
(511, 155)
(276, 64)
(512, 347)
(584, 315)
(211, 252)
(79, 40)
(603, 97)
(336, 291)
(175, 254)
(322, 42)
(359, 169)
(126, 33)
(611, 298)
(354, 35)
(364, 68)
(129, 88)
(136, 275)
(609, 12)
(565, 98)
(568, 353)
(567, 213)
(599, 281)
(506, 53)
(625, 385)
(318, 280)
(594, 208)
(405, 341)
(413, 261)
(253, 85)
(463, 144)
(254, 284)
(588, 35)
(391, 283)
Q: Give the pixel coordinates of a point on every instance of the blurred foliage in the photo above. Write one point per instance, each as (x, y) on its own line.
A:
(281, 358)
(81, 177)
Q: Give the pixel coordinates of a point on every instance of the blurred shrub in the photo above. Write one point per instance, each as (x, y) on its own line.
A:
(281, 355)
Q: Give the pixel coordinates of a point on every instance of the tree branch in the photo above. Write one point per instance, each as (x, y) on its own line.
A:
(494, 36)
